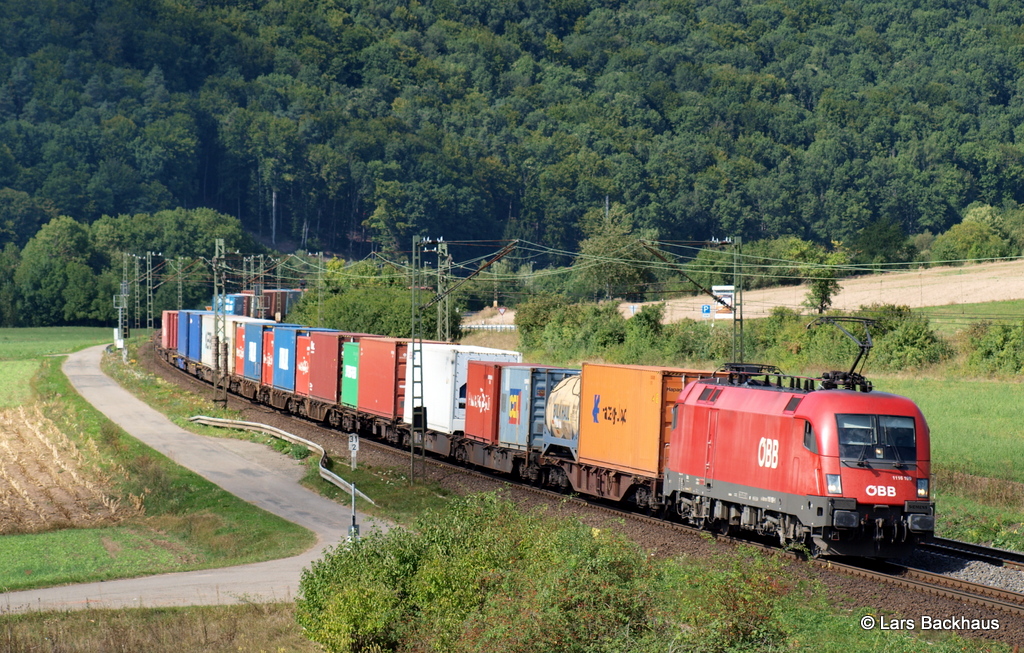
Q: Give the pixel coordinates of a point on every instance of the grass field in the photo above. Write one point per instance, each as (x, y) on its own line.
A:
(947, 320)
(247, 628)
(17, 386)
(28, 343)
(977, 427)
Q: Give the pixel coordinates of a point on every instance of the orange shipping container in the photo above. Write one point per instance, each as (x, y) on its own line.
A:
(626, 415)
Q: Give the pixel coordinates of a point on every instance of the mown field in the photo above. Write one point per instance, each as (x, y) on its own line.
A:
(148, 516)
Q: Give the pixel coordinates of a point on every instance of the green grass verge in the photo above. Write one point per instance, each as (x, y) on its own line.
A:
(200, 525)
(17, 386)
(395, 499)
(963, 518)
(389, 488)
(78, 555)
(26, 343)
(168, 398)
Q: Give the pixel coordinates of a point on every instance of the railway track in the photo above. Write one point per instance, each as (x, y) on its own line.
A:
(1003, 602)
(986, 554)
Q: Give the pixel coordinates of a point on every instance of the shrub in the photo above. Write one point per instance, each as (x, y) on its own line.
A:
(533, 316)
(912, 344)
(480, 576)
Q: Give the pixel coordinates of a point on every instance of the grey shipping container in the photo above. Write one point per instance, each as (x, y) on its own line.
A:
(524, 394)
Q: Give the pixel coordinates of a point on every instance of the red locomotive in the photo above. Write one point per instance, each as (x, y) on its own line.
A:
(843, 471)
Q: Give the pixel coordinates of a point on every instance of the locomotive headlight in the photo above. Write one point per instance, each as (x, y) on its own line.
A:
(834, 484)
(922, 488)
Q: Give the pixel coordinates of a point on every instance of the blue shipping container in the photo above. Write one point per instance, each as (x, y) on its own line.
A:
(195, 335)
(253, 352)
(284, 358)
(524, 393)
(183, 332)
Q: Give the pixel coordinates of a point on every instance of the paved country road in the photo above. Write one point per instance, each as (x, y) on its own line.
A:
(246, 469)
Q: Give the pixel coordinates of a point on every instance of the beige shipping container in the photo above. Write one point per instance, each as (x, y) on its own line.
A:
(626, 415)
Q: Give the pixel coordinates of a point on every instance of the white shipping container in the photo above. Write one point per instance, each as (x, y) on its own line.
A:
(445, 371)
(229, 332)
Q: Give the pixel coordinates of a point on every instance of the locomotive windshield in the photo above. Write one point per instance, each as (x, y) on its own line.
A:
(865, 439)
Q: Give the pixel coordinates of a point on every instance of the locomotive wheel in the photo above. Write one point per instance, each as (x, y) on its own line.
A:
(814, 551)
(722, 527)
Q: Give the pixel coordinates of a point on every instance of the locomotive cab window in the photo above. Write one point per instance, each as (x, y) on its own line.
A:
(877, 438)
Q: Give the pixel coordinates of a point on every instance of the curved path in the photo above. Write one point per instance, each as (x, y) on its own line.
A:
(242, 468)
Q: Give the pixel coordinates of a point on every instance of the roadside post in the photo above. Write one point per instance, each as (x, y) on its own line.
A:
(353, 446)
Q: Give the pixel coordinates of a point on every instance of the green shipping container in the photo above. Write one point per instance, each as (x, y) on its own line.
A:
(350, 374)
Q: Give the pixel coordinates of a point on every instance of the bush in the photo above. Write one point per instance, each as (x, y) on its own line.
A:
(910, 345)
(533, 316)
(478, 576)
(996, 348)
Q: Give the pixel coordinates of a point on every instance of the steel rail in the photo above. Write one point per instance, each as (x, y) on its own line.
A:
(987, 554)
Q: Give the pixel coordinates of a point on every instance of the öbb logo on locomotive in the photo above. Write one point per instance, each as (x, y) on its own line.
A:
(768, 453)
(880, 491)
(740, 448)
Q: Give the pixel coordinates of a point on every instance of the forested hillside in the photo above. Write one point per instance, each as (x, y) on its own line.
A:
(329, 123)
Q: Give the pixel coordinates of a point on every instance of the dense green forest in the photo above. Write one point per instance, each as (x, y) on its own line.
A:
(350, 125)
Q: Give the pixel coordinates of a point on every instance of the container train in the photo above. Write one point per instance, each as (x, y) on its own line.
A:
(823, 463)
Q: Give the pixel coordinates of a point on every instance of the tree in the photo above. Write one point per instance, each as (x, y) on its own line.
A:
(611, 262)
(21, 215)
(10, 257)
(968, 241)
(823, 284)
(55, 278)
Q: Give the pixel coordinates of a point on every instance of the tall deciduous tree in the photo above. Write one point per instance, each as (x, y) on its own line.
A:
(55, 278)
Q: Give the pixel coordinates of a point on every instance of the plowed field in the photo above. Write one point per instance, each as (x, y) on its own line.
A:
(45, 482)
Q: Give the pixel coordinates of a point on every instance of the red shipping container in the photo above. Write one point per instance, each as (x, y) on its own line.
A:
(303, 364)
(267, 375)
(169, 330)
(239, 349)
(382, 376)
(325, 367)
(483, 400)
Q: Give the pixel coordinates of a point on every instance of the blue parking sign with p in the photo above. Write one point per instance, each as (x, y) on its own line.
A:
(705, 309)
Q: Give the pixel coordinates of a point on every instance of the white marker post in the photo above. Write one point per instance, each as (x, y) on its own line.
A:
(353, 446)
